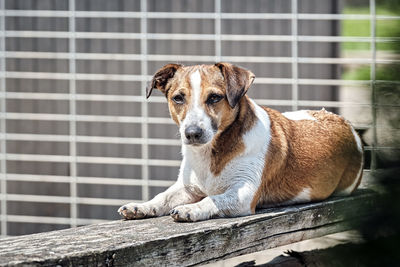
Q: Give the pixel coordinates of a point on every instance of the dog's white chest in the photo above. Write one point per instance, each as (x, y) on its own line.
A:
(196, 171)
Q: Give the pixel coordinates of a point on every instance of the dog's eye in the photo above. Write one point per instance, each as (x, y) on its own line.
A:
(214, 98)
(178, 99)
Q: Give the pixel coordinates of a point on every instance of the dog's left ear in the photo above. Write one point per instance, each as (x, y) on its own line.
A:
(238, 81)
(161, 77)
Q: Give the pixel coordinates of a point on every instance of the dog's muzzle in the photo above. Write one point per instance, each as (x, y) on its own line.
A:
(195, 135)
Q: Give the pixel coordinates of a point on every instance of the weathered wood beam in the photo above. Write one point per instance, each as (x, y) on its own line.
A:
(160, 241)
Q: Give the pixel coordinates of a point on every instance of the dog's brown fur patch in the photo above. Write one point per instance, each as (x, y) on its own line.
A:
(307, 154)
(228, 144)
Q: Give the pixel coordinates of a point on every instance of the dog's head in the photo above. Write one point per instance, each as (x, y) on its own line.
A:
(202, 99)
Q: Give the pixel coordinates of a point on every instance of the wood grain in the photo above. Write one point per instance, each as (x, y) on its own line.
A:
(160, 241)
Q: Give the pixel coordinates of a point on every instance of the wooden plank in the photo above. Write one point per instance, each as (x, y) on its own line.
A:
(160, 241)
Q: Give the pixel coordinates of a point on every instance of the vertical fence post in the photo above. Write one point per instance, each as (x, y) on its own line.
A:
(217, 30)
(72, 112)
(372, 10)
(294, 46)
(3, 142)
(144, 105)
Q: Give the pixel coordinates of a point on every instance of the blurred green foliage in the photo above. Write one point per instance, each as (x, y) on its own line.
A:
(384, 28)
(362, 28)
(385, 73)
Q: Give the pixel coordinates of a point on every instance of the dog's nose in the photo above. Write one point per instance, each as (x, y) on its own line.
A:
(193, 133)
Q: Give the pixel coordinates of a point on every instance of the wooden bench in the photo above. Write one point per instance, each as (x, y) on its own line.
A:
(160, 241)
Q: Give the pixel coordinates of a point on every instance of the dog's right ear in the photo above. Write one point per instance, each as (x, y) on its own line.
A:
(237, 80)
(161, 77)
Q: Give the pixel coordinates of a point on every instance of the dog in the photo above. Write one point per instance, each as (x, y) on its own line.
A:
(239, 156)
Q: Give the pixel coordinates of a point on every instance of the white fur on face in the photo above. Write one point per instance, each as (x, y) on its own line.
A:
(196, 114)
(195, 83)
(298, 115)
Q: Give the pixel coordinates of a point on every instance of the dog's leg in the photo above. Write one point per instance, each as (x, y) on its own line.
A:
(177, 194)
(234, 202)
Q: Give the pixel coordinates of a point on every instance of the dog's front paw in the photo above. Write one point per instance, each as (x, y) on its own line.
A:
(136, 211)
(187, 213)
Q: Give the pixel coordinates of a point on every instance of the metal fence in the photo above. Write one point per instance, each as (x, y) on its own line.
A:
(78, 137)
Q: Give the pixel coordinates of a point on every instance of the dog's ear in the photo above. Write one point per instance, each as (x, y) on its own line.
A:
(238, 81)
(161, 77)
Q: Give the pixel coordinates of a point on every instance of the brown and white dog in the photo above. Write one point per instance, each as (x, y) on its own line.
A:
(238, 156)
